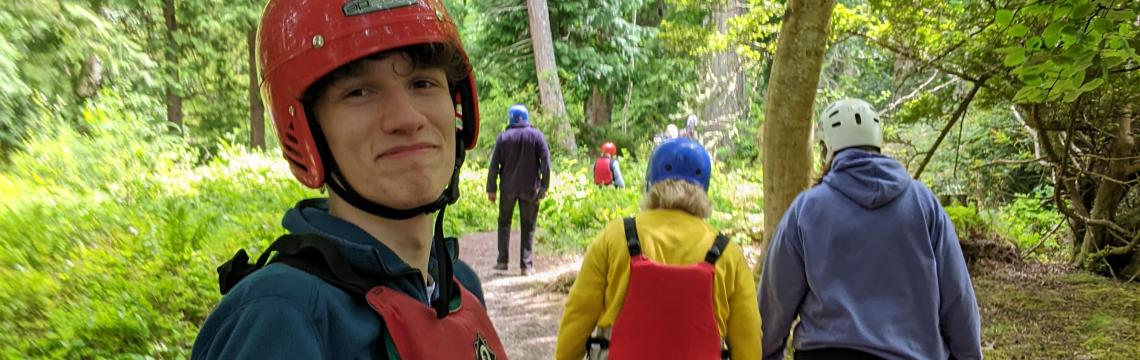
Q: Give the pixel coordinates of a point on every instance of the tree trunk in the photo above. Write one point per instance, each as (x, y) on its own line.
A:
(256, 107)
(549, 87)
(724, 81)
(789, 99)
(90, 77)
(173, 99)
(598, 108)
(1109, 193)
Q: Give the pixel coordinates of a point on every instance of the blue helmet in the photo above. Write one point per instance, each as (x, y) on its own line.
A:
(681, 159)
(517, 115)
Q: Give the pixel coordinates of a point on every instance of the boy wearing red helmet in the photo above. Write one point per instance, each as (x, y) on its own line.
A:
(606, 169)
(366, 97)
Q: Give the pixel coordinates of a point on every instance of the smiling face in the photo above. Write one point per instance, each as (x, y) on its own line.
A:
(390, 126)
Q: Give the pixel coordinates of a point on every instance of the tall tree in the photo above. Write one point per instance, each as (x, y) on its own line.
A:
(256, 107)
(790, 96)
(549, 87)
(173, 96)
(723, 83)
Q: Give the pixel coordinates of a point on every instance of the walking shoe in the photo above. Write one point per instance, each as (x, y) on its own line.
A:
(500, 266)
(527, 271)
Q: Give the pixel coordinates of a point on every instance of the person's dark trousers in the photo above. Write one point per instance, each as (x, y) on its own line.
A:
(528, 213)
(834, 354)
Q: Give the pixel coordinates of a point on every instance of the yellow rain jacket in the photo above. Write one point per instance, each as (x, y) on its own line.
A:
(668, 237)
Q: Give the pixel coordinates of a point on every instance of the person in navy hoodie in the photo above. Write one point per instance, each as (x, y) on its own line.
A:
(867, 259)
(376, 102)
(520, 171)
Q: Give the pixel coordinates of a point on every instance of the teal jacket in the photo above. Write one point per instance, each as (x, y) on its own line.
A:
(280, 312)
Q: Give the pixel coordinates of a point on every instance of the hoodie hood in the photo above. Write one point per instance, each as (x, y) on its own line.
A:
(870, 179)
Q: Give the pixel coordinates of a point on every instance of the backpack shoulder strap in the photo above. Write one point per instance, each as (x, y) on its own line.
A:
(717, 249)
(631, 240)
(307, 252)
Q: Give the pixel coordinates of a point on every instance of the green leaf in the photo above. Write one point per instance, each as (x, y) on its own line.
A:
(1060, 12)
(1101, 25)
(1028, 94)
(1115, 42)
(1033, 42)
(1003, 17)
(1015, 58)
(1082, 10)
(1069, 35)
(1071, 96)
(1051, 34)
(1121, 15)
(1092, 85)
(1017, 30)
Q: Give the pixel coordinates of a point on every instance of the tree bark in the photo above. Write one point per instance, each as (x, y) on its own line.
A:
(256, 107)
(1110, 191)
(90, 77)
(598, 108)
(173, 99)
(724, 81)
(549, 86)
(790, 96)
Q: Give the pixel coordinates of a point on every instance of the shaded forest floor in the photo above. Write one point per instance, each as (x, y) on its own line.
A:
(1045, 311)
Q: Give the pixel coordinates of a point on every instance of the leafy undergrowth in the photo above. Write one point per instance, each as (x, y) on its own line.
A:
(1036, 311)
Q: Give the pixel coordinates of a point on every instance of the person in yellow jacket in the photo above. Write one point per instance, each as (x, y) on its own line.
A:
(671, 231)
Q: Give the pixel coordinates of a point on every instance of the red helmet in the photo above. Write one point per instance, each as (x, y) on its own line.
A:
(609, 148)
(300, 41)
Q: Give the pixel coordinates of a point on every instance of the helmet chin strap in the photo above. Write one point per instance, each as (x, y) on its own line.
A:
(443, 269)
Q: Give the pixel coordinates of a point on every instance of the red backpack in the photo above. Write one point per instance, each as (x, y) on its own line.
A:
(669, 312)
(602, 174)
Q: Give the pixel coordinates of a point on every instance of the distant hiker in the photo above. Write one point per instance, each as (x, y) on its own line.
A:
(607, 171)
(520, 168)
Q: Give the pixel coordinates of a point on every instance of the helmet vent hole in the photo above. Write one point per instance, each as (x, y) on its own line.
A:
(876, 119)
(698, 172)
(858, 120)
(836, 124)
(833, 113)
(668, 167)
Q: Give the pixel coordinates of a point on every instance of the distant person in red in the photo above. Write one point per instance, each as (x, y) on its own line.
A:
(607, 172)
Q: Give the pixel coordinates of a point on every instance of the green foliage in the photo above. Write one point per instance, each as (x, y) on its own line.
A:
(1029, 218)
(122, 261)
(1063, 49)
(44, 51)
(967, 222)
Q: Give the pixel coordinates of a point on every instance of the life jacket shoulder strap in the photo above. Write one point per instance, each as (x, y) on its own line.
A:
(307, 252)
(631, 241)
(634, 244)
(717, 249)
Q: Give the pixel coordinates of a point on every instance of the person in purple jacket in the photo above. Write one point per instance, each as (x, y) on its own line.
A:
(867, 259)
(520, 166)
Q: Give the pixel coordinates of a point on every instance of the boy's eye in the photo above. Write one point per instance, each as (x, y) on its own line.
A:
(357, 92)
(423, 84)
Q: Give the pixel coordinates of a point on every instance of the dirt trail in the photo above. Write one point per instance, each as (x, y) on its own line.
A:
(525, 313)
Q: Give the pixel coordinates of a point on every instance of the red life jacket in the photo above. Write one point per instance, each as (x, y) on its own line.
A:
(602, 173)
(414, 327)
(668, 311)
(466, 333)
